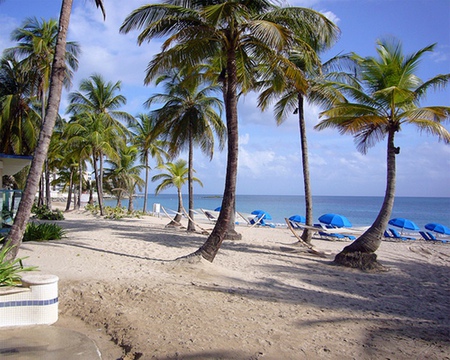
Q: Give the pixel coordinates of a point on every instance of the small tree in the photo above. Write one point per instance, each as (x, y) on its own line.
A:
(176, 176)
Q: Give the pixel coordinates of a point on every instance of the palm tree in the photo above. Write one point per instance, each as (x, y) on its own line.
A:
(176, 176)
(242, 34)
(97, 103)
(291, 100)
(36, 42)
(388, 99)
(19, 122)
(124, 175)
(14, 237)
(145, 137)
(188, 117)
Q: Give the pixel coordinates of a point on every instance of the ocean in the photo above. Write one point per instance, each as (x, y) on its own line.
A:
(360, 210)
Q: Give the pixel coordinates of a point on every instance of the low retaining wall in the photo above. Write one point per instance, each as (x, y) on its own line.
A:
(33, 303)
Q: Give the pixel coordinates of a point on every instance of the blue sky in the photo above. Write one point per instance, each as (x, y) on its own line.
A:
(269, 157)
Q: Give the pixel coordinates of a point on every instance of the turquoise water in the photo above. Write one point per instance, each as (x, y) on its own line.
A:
(360, 210)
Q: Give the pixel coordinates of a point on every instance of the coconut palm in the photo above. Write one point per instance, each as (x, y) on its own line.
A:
(97, 102)
(36, 42)
(19, 121)
(188, 118)
(291, 100)
(145, 137)
(242, 34)
(124, 175)
(388, 99)
(14, 238)
(176, 175)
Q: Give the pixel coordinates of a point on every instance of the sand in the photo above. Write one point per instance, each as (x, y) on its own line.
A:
(263, 297)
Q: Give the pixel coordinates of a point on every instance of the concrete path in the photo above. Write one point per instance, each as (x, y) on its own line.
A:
(45, 342)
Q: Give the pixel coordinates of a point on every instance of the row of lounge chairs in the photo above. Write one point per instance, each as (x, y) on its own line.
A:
(428, 236)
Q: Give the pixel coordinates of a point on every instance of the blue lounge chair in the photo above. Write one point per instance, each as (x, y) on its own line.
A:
(433, 238)
(396, 235)
(387, 235)
(425, 236)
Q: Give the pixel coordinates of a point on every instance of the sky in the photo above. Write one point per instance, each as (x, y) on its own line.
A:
(269, 155)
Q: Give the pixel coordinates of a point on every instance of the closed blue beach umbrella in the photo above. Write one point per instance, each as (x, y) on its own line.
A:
(439, 228)
(298, 218)
(335, 220)
(403, 223)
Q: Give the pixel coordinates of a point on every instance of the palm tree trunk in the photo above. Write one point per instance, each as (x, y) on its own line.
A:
(100, 184)
(97, 176)
(144, 208)
(191, 225)
(80, 185)
(130, 202)
(307, 234)
(48, 194)
(361, 253)
(176, 220)
(40, 200)
(69, 195)
(56, 81)
(48, 198)
(212, 245)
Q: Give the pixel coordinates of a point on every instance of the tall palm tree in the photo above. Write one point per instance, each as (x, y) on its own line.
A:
(188, 118)
(388, 99)
(145, 137)
(36, 42)
(98, 103)
(292, 96)
(15, 235)
(242, 34)
(176, 175)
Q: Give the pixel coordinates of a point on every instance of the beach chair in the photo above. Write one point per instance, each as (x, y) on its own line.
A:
(396, 235)
(425, 236)
(209, 215)
(433, 238)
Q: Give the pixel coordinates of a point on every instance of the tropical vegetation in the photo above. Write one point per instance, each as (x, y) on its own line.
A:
(175, 175)
(248, 38)
(43, 232)
(224, 47)
(386, 98)
(10, 269)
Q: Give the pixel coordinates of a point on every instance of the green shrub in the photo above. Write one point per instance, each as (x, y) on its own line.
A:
(43, 232)
(114, 213)
(10, 269)
(44, 213)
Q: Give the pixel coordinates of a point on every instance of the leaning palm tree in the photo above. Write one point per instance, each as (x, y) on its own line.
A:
(243, 34)
(187, 118)
(176, 175)
(388, 99)
(14, 238)
(146, 137)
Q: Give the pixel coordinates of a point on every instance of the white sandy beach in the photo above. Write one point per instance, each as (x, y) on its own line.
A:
(262, 298)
